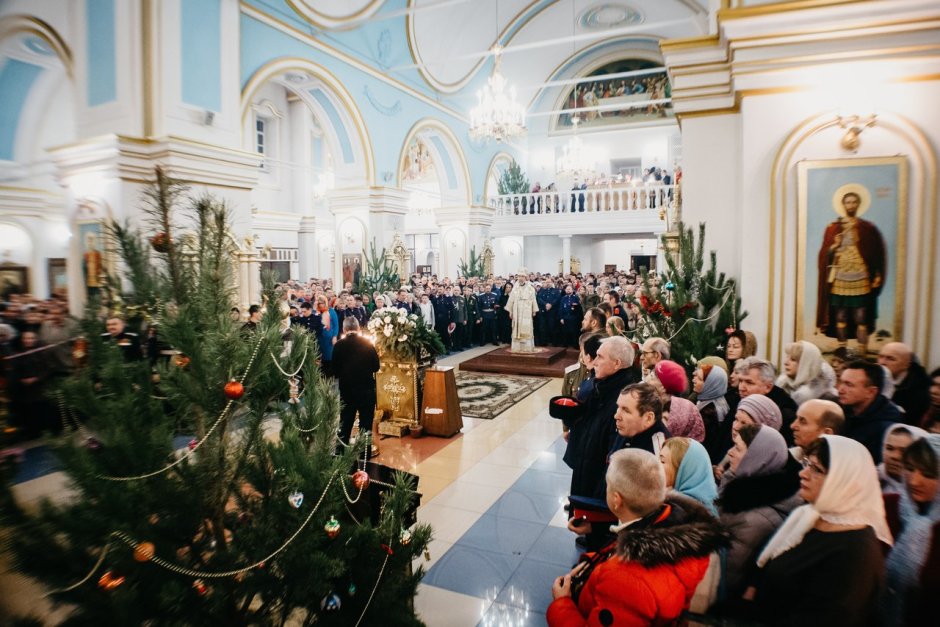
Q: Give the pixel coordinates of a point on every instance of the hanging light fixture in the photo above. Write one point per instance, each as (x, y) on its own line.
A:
(575, 162)
(497, 114)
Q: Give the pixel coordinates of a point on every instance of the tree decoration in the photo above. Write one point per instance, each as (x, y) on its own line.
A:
(701, 303)
(234, 390)
(109, 581)
(93, 444)
(360, 479)
(193, 444)
(200, 587)
(332, 528)
(405, 537)
(79, 349)
(296, 499)
(144, 552)
(160, 242)
(331, 603)
(351, 590)
(181, 361)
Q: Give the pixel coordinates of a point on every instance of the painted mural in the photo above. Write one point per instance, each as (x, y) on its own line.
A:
(620, 101)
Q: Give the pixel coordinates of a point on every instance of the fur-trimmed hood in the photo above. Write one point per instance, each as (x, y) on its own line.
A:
(746, 493)
(688, 531)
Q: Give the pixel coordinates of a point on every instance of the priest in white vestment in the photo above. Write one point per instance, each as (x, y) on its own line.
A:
(522, 308)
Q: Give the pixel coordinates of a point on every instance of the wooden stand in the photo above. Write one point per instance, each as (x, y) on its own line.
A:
(440, 391)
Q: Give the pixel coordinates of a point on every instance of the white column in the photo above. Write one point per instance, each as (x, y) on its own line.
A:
(565, 253)
(307, 251)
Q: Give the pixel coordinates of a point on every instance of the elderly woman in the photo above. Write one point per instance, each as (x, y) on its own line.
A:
(689, 471)
(913, 567)
(757, 409)
(648, 574)
(680, 414)
(710, 385)
(806, 375)
(757, 493)
(825, 564)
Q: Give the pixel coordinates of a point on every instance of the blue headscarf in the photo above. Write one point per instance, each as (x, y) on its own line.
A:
(906, 559)
(695, 477)
(714, 388)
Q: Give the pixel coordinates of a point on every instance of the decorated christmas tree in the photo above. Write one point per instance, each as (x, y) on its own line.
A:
(693, 307)
(204, 484)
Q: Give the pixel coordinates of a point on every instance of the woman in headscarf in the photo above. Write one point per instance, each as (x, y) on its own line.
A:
(825, 564)
(689, 471)
(913, 567)
(680, 415)
(755, 409)
(806, 375)
(897, 439)
(710, 385)
(757, 493)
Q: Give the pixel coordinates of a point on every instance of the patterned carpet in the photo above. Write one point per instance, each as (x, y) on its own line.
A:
(488, 395)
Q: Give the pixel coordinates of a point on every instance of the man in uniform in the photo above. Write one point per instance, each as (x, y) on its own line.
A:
(546, 332)
(443, 316)
(460, 318)
(471, 333)
(486, 302)
(127, 341)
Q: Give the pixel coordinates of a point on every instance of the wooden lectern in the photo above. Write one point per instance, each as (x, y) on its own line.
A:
(440, 391)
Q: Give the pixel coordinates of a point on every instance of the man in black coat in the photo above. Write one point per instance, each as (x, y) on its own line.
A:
(591, 437)
(355, 363)
(868, 413)
(911, 382)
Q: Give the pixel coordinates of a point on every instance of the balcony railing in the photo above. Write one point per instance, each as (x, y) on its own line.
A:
(591, 200)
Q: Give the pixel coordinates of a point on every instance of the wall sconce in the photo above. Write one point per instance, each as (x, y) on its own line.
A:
(349, 238)
(854, 125)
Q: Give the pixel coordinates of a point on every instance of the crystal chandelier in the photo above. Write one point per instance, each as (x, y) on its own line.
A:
(575, 162)
(497, 114)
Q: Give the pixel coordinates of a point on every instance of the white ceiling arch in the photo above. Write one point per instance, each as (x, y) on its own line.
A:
(451, 46)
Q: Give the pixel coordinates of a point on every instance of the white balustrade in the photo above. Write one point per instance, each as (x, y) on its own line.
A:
(591, 200)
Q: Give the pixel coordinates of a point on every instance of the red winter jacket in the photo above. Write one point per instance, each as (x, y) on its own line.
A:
(651, 573)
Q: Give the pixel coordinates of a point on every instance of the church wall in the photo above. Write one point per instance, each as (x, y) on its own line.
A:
(730, 181)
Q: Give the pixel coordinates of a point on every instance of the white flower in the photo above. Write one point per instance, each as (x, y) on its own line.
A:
(388, 330)
(388, 320)
(403, 338)
(412, 324)
(413, 316)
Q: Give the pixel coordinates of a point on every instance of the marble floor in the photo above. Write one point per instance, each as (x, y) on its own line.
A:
(493, 495)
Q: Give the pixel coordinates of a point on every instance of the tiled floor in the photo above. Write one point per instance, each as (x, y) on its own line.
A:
(493, 495)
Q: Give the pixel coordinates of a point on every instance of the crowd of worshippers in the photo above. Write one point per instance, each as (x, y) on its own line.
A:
(469, 312)
(808, 497)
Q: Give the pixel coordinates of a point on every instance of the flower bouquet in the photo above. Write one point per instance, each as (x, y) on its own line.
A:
(403, 336)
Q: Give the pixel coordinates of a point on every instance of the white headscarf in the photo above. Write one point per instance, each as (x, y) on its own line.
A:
(850, 495)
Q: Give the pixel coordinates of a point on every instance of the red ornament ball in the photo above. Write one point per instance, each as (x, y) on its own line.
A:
(109, 582)
(160, 242)
(144, 552)
(234, 390)
(181, 361)
(360, 479)
(200, 587)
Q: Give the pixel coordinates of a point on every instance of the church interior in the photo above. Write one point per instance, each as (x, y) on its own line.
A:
(556, 137)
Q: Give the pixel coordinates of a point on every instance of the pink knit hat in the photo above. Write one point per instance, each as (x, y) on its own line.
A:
(672, 376)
